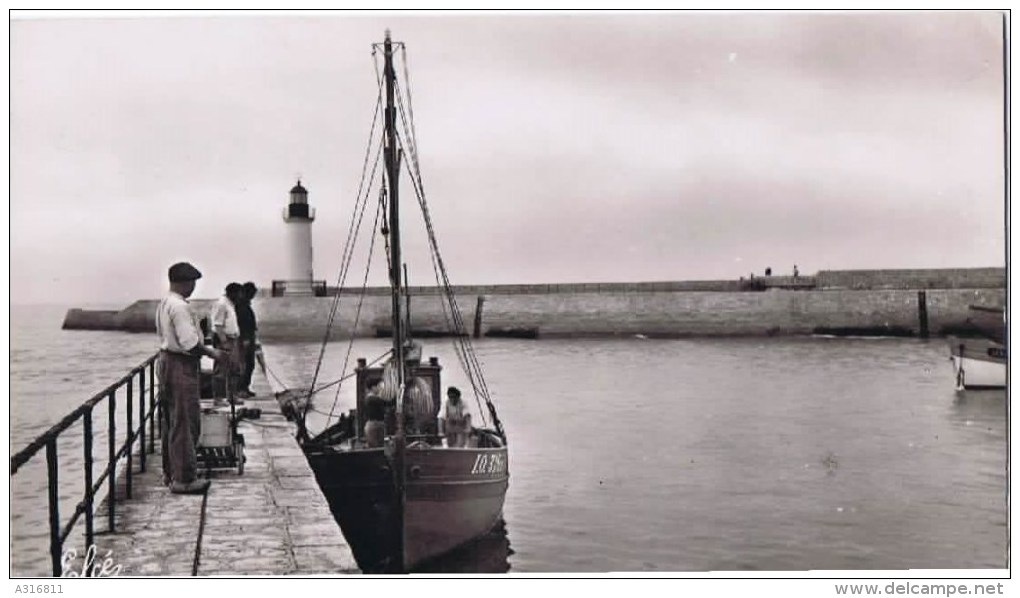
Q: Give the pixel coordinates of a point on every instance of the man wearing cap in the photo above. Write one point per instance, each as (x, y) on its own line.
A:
(180, 350)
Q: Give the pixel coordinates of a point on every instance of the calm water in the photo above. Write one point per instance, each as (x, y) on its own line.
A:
(656, 455)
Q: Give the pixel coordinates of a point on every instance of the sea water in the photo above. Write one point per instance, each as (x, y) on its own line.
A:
(785, 454)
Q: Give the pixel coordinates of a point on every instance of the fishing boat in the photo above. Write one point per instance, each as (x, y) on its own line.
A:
(418, 495)
(980, 362)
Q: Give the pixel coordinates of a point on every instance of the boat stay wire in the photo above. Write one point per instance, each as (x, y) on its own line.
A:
(406, 139)
(357, 314)
(348, 252)
(462, 343)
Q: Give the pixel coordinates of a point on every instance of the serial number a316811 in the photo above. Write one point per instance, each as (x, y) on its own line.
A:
(489, 464)
(39, 589)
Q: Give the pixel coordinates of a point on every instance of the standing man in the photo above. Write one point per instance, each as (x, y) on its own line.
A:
(375, 414)
(226, 333)
(247, 324)
(180, 349)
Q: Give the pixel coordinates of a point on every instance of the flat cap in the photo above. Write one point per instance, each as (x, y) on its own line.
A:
(183, 272)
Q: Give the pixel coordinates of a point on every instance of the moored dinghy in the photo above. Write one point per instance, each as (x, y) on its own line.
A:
(407, 495)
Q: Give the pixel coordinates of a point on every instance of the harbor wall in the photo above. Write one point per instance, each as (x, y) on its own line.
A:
(948, 278)
(837, 302)
(140, 316)
(652, 314)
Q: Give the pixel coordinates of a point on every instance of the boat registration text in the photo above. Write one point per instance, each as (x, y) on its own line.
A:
(489, 464)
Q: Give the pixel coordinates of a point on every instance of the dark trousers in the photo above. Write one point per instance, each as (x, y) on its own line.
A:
(229, 369)
(248, 350)
(180, 424)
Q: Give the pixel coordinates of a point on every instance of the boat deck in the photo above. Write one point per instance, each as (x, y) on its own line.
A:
(272, 520)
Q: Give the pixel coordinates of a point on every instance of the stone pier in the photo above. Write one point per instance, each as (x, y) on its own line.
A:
(270, 520)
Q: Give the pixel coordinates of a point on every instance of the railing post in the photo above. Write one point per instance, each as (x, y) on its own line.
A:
(152, 406)
(52, 482)
(130, 432)
(90, 533)
(141, 421)
(111, 433)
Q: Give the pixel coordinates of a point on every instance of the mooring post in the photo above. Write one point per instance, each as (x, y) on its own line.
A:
(922, 312)
(478, 316)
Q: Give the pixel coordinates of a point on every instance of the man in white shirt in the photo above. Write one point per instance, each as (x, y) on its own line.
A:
(226, 333)
(180, 349)
(454, 419)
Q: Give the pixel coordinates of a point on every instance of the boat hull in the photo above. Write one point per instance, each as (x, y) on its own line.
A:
(978, 363)
(452, 496)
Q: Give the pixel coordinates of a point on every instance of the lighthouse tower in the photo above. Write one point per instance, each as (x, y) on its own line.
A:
(299, 217)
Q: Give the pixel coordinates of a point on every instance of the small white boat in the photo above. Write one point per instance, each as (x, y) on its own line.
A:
(978, 363)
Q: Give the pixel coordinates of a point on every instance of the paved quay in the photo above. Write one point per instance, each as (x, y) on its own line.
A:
(271, 520)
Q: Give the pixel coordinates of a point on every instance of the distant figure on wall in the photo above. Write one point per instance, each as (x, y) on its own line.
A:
(768, 271)
(796, 273)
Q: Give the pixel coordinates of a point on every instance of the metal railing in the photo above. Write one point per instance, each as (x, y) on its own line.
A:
(145, 373)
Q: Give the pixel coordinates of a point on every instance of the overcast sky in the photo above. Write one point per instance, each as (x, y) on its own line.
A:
(554, 148)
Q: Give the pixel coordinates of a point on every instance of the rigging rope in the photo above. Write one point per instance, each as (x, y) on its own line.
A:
(464, 353)
(352, 234)
(348, 251)
(328, 385)
(462, 344)
(357, 314)
(451, 310)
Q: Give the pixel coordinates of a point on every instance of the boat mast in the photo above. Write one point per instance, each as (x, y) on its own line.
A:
(392, 155)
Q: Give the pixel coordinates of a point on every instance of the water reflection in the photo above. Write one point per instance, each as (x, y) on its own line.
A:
(487, 554)
(980, 407)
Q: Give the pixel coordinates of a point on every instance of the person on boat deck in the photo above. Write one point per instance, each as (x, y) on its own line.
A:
(375, 414)
(226, 333)
(421, 411)
(454, 419)
(180, 351)
(248, 327)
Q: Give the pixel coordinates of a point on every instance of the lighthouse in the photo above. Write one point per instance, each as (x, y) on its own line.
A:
(299, 217)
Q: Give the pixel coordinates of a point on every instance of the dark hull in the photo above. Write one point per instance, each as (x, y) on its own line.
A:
(452, 497)
(989, 322)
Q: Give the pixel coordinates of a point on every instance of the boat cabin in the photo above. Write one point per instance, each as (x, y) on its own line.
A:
(424, 425)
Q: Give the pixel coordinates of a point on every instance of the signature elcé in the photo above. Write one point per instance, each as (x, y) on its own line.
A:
(90, 567)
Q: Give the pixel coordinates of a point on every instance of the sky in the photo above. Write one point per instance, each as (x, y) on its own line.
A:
(554, 147)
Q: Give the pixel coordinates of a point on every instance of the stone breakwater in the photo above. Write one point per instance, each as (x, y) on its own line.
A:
(879, 302)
